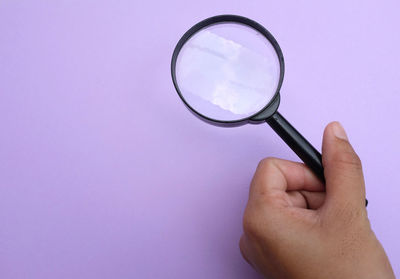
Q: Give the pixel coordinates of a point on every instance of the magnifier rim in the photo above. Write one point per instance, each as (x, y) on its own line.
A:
(227, 19)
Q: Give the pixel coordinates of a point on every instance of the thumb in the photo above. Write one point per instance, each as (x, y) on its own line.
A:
(342, 168)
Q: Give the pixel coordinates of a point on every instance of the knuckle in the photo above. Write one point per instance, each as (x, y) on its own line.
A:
(244, 249)
(347, 158)
(266, 163)
(242, 245)
(250, 227)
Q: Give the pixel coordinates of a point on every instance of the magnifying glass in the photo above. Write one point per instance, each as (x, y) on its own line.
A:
(228, 70)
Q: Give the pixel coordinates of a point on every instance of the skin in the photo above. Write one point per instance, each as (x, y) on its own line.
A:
(295, 227)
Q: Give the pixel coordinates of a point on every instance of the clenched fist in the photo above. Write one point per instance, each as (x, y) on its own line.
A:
(295, 227)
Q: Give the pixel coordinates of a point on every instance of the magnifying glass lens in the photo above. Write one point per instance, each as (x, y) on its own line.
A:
(227, 72)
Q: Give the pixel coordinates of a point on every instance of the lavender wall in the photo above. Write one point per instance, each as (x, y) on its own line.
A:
(105, 174)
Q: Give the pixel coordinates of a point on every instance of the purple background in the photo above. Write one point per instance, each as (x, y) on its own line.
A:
(105, 174)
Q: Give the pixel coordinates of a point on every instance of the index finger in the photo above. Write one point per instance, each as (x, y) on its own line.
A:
(275, 175)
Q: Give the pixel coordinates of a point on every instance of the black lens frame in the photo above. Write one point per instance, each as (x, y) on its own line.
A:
(266, 111)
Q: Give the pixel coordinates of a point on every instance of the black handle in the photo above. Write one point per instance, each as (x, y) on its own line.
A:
(307, 153)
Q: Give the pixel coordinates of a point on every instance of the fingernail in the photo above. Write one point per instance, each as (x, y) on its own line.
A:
(339, 131)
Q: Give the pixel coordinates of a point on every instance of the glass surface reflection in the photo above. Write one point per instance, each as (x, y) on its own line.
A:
(227, 71)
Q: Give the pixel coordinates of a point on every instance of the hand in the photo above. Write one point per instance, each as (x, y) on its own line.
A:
(295, 228)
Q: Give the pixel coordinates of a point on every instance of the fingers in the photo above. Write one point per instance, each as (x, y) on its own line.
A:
(343, 175)
(342, 168)
(306, 199)
(276, 175)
